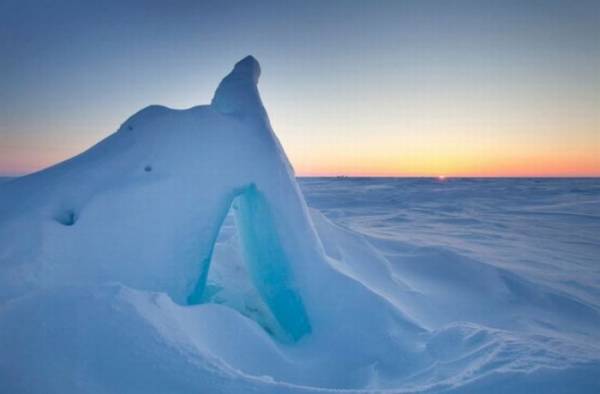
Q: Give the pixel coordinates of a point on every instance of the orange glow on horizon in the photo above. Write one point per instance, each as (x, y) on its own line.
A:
(425, 166)
(500, 165)
(385, 157)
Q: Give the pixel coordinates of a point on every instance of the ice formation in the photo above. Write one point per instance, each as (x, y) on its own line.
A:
(178, 255)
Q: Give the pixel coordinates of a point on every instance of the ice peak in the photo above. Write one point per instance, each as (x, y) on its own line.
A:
(248, 67)
(237, 93)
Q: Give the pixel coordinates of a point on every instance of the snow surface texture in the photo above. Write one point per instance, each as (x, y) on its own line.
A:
(179, 256)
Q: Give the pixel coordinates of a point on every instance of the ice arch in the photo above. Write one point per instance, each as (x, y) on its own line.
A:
(143, 208)
(266, 261)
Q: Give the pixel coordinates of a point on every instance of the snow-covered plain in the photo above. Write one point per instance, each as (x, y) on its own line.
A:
(179, 256)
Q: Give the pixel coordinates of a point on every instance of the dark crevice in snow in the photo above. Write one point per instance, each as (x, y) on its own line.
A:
(66, 218)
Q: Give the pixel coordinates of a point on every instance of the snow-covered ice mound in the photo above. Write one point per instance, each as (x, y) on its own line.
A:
(178, 256)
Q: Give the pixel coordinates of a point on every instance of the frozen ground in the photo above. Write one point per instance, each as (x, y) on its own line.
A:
(546, 230)
(520, 255)
(179, 255)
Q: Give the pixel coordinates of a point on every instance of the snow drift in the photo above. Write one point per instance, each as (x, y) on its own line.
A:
(178, 255)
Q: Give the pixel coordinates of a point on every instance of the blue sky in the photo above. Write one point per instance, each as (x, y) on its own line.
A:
(352, 87)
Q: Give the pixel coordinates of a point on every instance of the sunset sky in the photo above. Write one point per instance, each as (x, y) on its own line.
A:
(382, 88)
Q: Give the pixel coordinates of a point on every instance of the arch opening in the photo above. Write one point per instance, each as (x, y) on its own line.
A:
(249, 270)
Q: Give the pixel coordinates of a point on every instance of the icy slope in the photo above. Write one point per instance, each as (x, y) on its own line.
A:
(178, 255)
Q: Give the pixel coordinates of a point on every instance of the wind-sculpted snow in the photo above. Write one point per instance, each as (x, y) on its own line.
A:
(179, 256)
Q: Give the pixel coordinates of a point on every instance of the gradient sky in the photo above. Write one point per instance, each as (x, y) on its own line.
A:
(404, 88)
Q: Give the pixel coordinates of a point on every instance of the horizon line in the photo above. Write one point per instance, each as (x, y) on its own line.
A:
(441, 177)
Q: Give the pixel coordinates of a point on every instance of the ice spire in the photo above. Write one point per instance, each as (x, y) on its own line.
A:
(237, 93)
